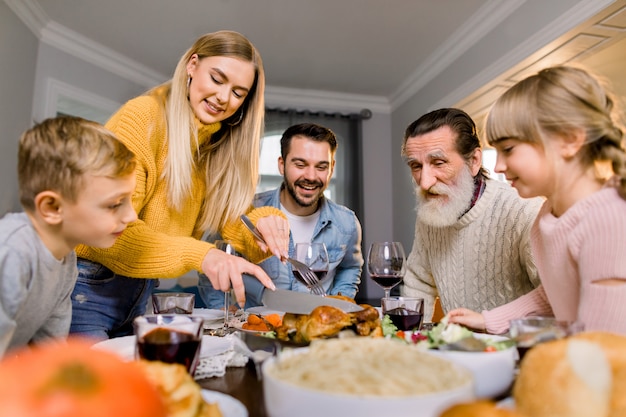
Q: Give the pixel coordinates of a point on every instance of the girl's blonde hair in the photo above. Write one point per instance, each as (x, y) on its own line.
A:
(559, 100)
(230, 160)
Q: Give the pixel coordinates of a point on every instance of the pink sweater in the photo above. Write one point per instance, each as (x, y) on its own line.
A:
(586, 244)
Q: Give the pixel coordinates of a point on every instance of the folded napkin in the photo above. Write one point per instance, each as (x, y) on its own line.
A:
(218, 353)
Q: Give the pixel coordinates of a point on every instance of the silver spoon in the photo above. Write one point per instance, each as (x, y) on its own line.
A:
(467, 344)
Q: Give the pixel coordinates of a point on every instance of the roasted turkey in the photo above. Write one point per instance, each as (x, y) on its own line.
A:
(328, 321)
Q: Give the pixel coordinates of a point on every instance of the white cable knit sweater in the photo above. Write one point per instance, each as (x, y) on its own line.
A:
(482, 261)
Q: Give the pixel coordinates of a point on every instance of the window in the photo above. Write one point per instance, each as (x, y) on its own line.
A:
(489, 162)
(345, 186)
(268, 167)
(65, 99)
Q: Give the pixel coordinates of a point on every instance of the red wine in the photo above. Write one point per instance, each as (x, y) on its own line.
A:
(522, 350)
(387, 281)
(405, 319)
(319, 274)
(170, 346)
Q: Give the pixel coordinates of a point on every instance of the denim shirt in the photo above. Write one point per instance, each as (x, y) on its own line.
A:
(337, 227)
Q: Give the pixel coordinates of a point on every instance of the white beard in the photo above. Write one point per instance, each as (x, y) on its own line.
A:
(442, 213)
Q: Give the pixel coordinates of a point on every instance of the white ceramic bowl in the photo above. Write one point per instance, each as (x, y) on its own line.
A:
(493, 371)
(284, 399)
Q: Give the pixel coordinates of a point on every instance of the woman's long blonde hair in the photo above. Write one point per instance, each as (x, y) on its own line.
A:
(230, 160)
(560, 100)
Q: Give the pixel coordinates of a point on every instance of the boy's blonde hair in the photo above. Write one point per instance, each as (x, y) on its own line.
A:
(560, 100)
(56, 154)
(230, 160)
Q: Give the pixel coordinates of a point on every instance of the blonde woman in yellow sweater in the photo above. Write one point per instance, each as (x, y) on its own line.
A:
(197, 141)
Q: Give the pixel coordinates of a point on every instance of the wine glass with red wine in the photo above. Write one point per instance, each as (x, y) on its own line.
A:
(315, 256)
(386, 264)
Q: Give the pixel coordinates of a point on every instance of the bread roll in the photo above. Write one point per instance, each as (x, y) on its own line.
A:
(480, 408)
(564, 378)
(181, 395)
(614, 347)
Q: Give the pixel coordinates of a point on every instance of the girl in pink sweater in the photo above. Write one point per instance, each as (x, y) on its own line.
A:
(557, 136)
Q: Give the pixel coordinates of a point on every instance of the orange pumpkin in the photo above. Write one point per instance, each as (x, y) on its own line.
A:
(72, 380)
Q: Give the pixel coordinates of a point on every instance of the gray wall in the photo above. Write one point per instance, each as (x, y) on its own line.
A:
(18, 47)
(378, 198)
(54, 65)
(512, 33)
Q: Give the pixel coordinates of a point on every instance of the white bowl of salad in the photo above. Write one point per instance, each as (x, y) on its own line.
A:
(493, 368)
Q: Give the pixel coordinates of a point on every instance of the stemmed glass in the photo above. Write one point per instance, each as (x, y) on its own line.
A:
(225, 246)
(386, 264)
(315, 256)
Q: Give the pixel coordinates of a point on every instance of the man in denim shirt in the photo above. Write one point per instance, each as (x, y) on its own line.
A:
(306, 163)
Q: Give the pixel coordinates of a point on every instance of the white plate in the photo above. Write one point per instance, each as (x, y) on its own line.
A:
(239, 326)
(264, 311)
(229, 406)
(122, 346)
(209, 314)
(125, 346)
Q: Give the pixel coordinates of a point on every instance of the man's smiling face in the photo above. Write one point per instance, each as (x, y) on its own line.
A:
(306, 170)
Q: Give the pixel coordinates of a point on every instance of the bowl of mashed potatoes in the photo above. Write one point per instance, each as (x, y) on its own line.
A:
(362, 376)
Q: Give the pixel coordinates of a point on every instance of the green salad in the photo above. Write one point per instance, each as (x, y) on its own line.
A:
(441, 334)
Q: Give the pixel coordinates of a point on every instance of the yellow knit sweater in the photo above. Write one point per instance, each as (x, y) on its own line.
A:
(163, 243)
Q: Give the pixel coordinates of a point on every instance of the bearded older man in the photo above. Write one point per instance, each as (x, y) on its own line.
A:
(471, 244)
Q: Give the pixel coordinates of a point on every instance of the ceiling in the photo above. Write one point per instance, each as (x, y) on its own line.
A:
(598, 44)
(340, 46)
(367, 48)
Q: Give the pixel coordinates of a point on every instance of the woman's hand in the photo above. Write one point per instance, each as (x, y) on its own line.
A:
(224, 271)
(467, 318)
(275, 231)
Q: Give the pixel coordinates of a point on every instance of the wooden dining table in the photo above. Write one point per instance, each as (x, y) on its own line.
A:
(243, 384)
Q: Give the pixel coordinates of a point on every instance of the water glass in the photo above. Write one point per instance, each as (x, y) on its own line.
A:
(530, 331)
(315, 256)
(226, 246)
(173, 303)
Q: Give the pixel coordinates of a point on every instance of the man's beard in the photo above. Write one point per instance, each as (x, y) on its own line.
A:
(291, 190)
(442, 213)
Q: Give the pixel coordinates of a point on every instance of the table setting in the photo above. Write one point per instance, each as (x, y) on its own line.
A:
(230, 353)
(215, 355)
(367, 360)
(240, 365)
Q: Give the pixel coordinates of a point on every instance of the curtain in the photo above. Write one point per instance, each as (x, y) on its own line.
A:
(347, 185)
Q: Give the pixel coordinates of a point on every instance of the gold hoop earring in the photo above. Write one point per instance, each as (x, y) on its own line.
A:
(238, 121)
(188, 81)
